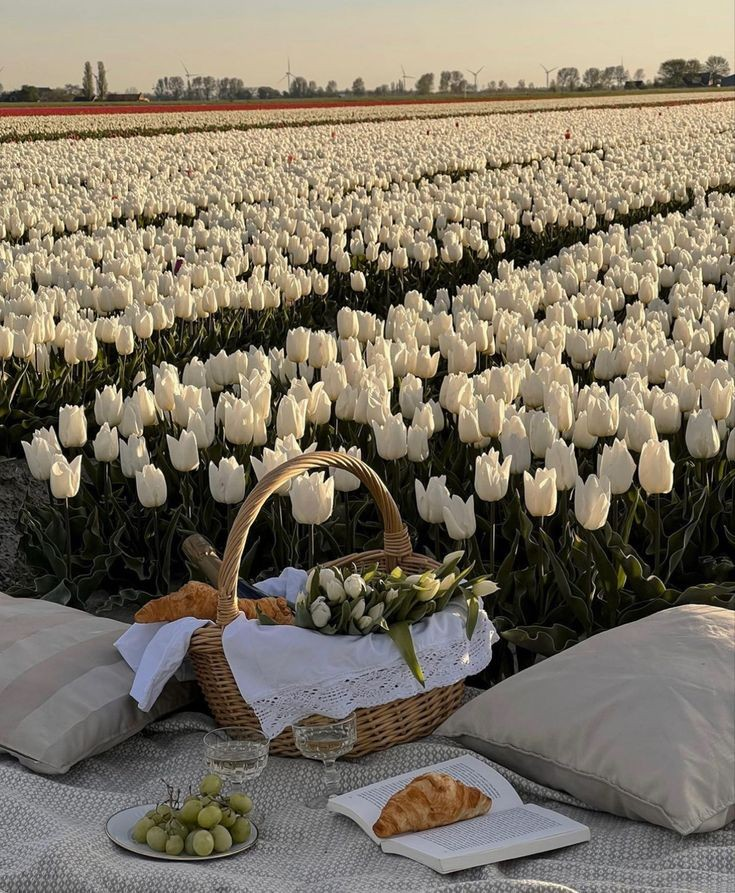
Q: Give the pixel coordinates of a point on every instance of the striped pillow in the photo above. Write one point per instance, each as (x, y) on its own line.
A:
(64, 689)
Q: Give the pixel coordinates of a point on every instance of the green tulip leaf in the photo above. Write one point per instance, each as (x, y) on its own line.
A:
(400, 634)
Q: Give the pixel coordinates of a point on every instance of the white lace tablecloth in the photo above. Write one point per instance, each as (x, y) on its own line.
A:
(286, 673)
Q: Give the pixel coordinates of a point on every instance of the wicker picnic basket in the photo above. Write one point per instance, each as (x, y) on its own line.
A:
(377, 727)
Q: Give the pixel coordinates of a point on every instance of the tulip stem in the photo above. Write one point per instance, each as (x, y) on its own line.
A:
(492, 539)
(157, 545)
(68, 539)
(311, 546)
(348, 529)
(657, 535)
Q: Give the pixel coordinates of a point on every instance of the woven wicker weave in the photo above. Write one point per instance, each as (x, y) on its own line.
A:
(377, 727)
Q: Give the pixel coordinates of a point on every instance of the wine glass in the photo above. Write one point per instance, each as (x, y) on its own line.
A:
(325, 739)
(236, 754)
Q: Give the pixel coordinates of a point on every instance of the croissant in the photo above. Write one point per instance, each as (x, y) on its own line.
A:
(430, 801)
(199, 600)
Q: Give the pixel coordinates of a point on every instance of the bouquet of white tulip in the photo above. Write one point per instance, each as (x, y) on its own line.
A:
(354, 602)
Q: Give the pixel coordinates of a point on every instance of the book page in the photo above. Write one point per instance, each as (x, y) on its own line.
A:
(365, 804)
(489, 832)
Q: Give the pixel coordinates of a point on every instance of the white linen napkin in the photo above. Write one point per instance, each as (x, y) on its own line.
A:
(157, 651)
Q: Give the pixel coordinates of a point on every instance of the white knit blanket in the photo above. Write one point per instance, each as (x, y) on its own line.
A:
(53, 838)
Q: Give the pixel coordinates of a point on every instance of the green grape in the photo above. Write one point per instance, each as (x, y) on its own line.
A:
(205, 801)
(209, 816)
(175, 826)
(189, 843)
(189, 811)
(240, 803)
(240, 831)
(203, 842)
(222, 839)
(164, 810)
(141, 828)
(229, 817)
(174, 845)
(156, 839)
(210, 785)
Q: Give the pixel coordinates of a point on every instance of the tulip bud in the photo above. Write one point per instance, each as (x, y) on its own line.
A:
(106, 444)
(492, 476)
(321, 613)
(459, 517)
(702, 438)
(562, 459)
(227, 481)
(430, 500)
(150, 485)
(655, 468)
(183, 452)
(391, 439)
(592, 502)
(618, 466)
(539, 492)
(312, 498)
(65, 477)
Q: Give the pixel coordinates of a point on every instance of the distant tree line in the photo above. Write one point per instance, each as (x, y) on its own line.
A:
(204, 88)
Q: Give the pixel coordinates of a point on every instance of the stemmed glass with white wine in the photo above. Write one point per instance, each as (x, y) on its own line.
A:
(325, 739)
(236, 754)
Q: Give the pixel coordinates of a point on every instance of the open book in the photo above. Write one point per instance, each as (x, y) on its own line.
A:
(509, 830)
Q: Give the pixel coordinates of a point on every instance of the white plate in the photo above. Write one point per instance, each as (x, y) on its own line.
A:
(120, 826)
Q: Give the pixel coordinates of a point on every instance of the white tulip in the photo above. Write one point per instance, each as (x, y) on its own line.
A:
(391, 439)
(563, 460)
(65, 477)
(539, 492)
(106, 444)
(655, 468)
(183, 452)
(227, 481)
(40, 456)
(702, 438)
(430, 500)
(617, 465)
(592, 501)
(312, 498)
(72, 426)
(133, 455)
(492, 476)
(459, 517)
(150, 485)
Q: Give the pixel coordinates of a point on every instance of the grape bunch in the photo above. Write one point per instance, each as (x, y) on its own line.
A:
(203, 823)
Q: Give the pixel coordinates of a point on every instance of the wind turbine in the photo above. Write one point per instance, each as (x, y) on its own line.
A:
(548, 72)
(475, 73)
(189, 76)
(287, 77)
(406, 77)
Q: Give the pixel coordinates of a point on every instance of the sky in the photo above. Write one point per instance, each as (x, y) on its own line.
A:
(45, 42)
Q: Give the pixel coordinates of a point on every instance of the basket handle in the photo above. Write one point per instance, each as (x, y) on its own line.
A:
(395, 535)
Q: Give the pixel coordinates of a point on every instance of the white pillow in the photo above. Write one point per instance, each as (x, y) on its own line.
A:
(638, 721)
(64, 689)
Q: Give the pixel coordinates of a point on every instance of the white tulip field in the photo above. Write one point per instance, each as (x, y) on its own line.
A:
(523, 317)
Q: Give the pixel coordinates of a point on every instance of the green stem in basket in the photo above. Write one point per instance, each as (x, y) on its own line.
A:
(312, 550)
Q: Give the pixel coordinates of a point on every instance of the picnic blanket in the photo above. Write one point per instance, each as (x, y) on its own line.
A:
(54, 839)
